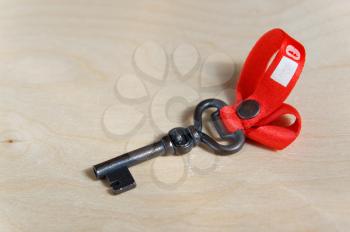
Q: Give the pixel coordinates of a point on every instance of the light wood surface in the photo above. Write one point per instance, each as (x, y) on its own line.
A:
(83, 81)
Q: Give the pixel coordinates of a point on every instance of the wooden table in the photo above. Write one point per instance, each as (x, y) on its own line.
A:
(83, 81)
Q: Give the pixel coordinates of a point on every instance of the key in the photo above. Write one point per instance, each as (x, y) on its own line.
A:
(178, 141)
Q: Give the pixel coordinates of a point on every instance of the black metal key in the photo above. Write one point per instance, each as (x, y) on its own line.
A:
(178, 141)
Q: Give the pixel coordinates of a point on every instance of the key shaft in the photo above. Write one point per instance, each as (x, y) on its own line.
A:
(131, 158)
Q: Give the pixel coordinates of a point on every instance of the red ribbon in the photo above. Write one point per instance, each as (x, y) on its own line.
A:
(268, 83)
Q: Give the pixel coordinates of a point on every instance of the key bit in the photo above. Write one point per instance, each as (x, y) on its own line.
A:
(121, 180)
(178, 141)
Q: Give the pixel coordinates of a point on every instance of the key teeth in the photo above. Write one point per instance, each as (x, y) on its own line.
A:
(121, 180)
(116, 189)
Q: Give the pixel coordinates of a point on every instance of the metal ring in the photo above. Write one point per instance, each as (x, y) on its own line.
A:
(236, 140)
(204, 105)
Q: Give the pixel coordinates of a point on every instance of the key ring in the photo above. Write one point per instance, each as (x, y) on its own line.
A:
(236, 140)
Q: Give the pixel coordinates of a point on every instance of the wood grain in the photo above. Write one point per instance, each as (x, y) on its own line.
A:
(82, 81)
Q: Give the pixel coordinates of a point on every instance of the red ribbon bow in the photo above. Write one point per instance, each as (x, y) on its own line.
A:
(269, 84)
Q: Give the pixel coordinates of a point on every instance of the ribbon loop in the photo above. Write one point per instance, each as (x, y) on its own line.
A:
(268, 76)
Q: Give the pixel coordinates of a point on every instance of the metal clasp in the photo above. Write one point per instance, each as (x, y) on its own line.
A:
(235, 140)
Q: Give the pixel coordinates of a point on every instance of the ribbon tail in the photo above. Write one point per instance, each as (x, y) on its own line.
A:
(273, 133)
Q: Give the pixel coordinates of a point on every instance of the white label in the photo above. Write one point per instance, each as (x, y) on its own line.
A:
(284, 71)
